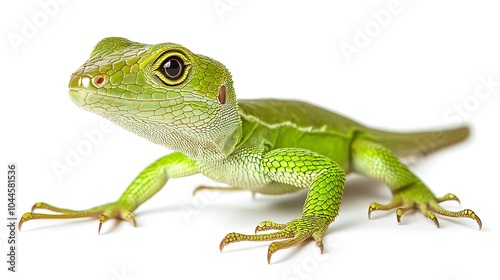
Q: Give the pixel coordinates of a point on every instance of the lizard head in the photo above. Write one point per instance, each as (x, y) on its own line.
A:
(162, 92)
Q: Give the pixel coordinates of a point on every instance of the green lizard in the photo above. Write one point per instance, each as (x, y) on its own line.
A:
(186, 102)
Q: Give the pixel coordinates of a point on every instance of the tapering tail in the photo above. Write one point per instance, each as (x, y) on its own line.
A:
(420, 143)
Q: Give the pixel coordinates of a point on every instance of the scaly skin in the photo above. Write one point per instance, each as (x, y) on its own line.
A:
(186, 102)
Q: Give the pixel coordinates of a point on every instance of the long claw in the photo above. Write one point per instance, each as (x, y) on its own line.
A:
(470, 214)
(466, 213)
(429, 214)
(102, 220)
(319, 241)
(130, 216)
(473, 216)
(400, 211)
(278, 245)
(26, 217)
(448, 197)
(374, 206)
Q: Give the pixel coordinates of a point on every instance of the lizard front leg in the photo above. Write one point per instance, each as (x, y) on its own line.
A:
(301, 168)
(374, 160)
(143, 187)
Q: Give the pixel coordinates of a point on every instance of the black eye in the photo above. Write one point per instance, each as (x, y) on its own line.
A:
(173, 67)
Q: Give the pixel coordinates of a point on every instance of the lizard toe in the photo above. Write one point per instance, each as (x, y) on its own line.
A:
(418, 197)
(105, 212)
(288, 235)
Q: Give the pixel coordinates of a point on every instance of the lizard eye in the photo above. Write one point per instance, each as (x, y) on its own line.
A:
(173, 68)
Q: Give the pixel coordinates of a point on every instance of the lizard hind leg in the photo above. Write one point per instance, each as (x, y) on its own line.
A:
(409, 192)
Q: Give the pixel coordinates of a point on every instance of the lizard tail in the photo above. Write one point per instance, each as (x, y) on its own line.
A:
(420, 143)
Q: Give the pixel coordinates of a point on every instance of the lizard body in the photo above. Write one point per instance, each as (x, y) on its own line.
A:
(186, 102)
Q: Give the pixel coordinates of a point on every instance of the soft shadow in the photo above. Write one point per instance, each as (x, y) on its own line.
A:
(162, 209)
(233, 248)
(361, 189)
(67, 223)
(359, 192)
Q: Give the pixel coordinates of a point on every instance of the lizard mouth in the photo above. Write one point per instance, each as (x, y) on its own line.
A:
(88, 93)
(77, 94)
(80, 86)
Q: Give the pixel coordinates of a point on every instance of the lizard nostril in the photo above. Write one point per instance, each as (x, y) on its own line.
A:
(99, 81)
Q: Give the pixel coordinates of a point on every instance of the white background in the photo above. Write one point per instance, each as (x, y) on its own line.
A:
(414, 72)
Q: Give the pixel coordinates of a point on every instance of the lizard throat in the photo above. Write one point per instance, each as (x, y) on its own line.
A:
(202, 144)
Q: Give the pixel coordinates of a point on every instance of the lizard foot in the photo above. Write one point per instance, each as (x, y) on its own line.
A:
(293, 233)
(419, 197)
(105, 212)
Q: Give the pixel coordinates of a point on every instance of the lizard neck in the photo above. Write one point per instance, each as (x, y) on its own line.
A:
(212, 143)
